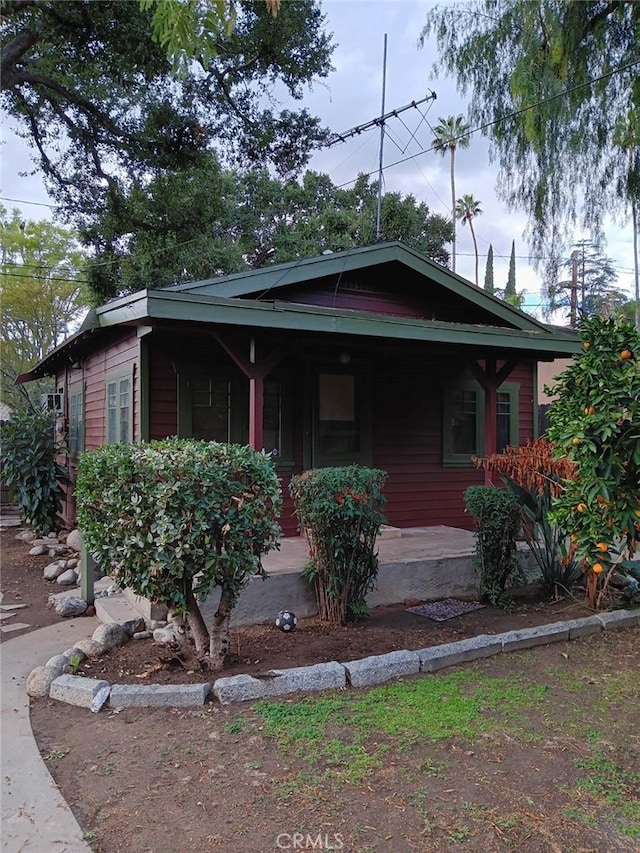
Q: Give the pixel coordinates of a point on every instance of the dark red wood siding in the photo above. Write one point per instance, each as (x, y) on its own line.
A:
(407, 388)
(387, 289)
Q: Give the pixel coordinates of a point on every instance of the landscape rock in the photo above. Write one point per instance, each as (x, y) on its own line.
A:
(58, 662)
(70, 605)
(40, 680)
(72, 563)
(53, 570)
(26, 536)
(133, 626)
(164, 635)
(111, 635)
(74, 540)
(67, 578)
(76, 653)
(57, 550)
(90, 647)
(38, 551)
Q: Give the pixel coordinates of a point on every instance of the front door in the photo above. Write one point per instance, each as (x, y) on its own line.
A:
(342, 419)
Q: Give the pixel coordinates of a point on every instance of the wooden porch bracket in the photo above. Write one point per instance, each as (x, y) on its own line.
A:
(490, 379)
(255, 373)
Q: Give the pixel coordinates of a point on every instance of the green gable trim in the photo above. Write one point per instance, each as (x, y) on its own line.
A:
(268, 279)
(167, 305)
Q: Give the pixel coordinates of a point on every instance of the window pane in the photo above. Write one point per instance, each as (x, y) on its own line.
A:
(337, 397)
(76, 424)
(272, 417)
(503, 425)
(201, 391)
(112, 424)
(338, 428)
(464, 422)
(210, 419)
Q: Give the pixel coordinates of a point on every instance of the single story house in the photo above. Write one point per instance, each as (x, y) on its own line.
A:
(372, 355)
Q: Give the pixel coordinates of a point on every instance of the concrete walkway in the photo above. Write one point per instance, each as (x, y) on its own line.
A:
(35, 816)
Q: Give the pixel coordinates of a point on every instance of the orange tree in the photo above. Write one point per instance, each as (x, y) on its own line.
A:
(595, 423)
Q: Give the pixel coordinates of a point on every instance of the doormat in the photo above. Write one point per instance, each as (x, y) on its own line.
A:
(448, 608)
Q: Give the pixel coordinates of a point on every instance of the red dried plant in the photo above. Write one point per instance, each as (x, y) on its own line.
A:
(531, 465)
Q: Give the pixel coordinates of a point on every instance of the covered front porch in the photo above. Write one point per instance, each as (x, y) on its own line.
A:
(420, 563)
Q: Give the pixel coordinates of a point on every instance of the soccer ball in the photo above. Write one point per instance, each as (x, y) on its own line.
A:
(286, 620)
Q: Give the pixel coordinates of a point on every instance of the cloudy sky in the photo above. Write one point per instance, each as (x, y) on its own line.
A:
(352, 95)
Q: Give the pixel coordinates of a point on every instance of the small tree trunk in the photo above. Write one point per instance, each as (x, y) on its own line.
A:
(219, 641)
(197, 626)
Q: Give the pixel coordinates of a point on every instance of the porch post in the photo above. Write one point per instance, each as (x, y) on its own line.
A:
(256, 406)
(255, 371)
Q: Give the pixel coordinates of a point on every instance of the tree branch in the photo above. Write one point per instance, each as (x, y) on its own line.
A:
(12, 54)
(74, 98)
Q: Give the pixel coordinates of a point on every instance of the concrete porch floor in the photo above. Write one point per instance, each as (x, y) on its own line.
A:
(424, 563)
(393, 545)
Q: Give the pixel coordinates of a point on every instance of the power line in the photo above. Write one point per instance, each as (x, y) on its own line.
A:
(24, 201)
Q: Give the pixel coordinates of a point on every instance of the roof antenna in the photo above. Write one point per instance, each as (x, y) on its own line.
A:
(384, 87)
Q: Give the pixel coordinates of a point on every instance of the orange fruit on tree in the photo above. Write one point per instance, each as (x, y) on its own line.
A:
(574, 537)
(586, 345)
(581, 507)
(597, 568)
(602, 547)
(575, 441)
(625, 354)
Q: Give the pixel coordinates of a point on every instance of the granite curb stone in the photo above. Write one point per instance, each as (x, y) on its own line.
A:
(619, 619)
(320, 676)
(76, 689)
(158, 695)
(377, 669)
(463, 651)
(527, 638)
(369, 671)
(584, 627)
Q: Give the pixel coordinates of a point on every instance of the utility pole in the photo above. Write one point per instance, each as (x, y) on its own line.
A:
(574, 290)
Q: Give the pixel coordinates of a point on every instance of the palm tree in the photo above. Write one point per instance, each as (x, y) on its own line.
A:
(451, 133)
(467, 207)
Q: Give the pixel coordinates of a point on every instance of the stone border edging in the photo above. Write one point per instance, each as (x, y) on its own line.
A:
(366, 672)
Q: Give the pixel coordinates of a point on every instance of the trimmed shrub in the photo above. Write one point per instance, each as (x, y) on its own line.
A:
(497, 517)
(30, 468)
(173, 519)
(340, 511)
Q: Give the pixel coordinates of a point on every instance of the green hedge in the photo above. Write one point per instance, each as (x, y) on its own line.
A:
(175, 518)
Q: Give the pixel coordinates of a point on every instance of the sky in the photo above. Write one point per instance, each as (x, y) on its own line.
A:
(352, 95)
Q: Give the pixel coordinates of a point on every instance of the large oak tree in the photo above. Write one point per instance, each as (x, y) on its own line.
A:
(95, 93)
(215, 221)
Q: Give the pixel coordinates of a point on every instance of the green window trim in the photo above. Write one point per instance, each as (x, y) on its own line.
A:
(118, 404)
(193, 385)
(458, 405)
(75, 431)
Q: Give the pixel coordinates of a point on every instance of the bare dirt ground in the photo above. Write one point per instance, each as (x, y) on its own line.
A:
(560, 773)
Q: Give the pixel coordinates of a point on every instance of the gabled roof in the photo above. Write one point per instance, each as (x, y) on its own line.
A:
(226, 301)
(267, 281)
